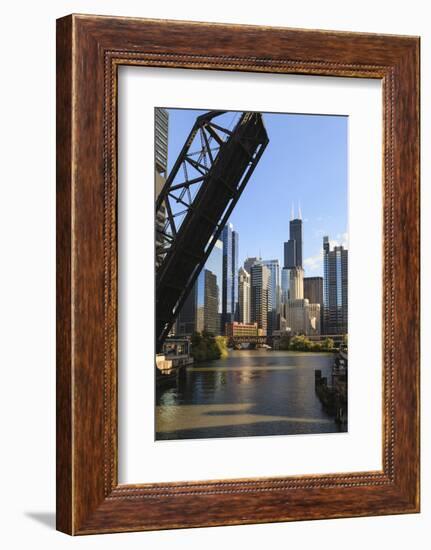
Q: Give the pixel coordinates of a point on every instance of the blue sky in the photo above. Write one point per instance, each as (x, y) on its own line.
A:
(305, 163)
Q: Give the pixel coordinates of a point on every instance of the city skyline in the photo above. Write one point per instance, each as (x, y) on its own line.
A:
(239, 298)
(304, 300)
(314, 163)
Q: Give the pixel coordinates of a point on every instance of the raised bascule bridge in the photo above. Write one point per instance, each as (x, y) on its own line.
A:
(195, 203)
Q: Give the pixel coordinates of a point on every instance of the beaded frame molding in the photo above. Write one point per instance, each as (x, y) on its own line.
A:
(89, 51)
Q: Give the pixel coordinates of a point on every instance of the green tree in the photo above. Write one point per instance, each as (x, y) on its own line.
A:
(328, 344)
(284, 342)
(207, 347)
(221, 342)
(301, 343)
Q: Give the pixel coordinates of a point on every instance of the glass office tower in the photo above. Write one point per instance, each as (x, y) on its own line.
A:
(202, 308)
(335, 288)
(230, 307)
(274, 293)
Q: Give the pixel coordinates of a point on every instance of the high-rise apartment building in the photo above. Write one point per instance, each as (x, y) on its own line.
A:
(274, 293)
(260, 296)
(230, 240)
(244, 295)
(313, 291)
(335, 288)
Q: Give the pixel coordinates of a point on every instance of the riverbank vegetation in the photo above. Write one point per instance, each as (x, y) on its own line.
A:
(207, 347)
(302, 343)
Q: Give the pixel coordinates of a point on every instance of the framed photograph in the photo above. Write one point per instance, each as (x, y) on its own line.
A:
(237, 274)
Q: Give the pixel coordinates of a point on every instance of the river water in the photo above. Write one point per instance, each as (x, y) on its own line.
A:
(250, 393)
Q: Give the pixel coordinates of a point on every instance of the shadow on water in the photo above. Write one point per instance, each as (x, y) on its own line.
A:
(243, 430)
(222, 413)
(247, 394)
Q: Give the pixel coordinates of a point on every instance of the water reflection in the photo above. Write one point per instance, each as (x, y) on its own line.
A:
(250, 393)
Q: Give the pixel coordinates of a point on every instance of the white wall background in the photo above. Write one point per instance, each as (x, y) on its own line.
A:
(27, 240)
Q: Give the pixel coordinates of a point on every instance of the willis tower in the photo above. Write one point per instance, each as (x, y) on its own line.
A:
(293, 247)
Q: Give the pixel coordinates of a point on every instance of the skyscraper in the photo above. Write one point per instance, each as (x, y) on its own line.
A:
(202, 308)
(244, 295)
(235, 266)
(230, 275)
(296, 283)
(274, 293)
(207, 314)
(260, 296)
(249, 263)
(187, 317)
(293, 247)
(290, 254)
(285, 284)
(302, 313)
(296, 237)
(302, 317)
(313, 291)
(335, 288)
(314, 317)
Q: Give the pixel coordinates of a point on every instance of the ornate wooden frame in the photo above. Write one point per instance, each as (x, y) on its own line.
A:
(89, 51)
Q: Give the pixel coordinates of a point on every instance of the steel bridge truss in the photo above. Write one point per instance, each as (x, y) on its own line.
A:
(196, 201)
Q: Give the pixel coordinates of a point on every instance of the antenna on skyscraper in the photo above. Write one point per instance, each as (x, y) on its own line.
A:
(299, 208)
(292, 213)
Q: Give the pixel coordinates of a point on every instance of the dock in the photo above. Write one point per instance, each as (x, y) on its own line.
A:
(175, 356)
(333, 393)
